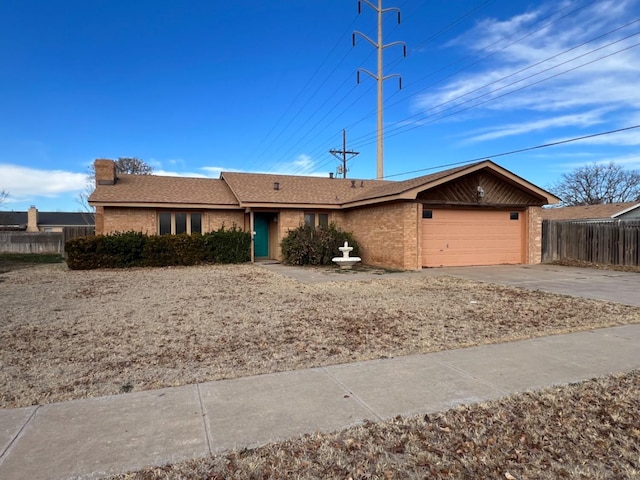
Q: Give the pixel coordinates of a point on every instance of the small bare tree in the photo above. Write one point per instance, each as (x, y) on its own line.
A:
(3, 196)
(124, 165)
(598, 183)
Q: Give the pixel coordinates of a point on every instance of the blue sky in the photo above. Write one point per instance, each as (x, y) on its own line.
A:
(195, 88)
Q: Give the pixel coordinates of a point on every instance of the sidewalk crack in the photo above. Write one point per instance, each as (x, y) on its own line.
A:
(358, 399)
(17, 436)
(205, 422)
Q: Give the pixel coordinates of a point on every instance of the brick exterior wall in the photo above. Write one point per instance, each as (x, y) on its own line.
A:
(145, 220)
(534, 235)
(287, 220)
(388, 234)
(215, 219)
(115, 219)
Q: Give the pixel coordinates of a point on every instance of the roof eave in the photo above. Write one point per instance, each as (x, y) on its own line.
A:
(626, 210)
(202, 206)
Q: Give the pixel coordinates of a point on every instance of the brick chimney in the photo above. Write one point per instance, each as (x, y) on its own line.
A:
(105, 171)
(32, 219)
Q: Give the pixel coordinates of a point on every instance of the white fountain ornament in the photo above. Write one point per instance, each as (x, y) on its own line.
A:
(345, 261)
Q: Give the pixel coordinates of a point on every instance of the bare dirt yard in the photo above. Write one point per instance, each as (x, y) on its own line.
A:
(72, 334)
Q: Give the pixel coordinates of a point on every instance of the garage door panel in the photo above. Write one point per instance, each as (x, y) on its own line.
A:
(471, 237)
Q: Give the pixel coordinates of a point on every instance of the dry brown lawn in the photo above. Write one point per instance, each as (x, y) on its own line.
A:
(589, 430)
(73, 334)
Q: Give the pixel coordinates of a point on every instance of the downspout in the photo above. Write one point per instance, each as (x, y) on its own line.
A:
(253, 235)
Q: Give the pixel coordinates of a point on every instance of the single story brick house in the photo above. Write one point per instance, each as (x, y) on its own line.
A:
(476, 214)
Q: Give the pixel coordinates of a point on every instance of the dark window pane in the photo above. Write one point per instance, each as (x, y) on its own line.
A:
(196, 223)
(323, 220)
(427, 213)
(310, 219)
(181, 223)
(514, 216)
(165, 224)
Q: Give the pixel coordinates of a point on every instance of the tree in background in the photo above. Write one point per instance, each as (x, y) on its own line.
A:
(3, 196)
(124, 165)
(598, 183)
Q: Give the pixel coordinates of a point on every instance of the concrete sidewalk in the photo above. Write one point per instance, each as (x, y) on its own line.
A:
(109, 435)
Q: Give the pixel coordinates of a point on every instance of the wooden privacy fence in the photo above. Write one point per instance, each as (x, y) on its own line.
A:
(610, 243)
(40, 242)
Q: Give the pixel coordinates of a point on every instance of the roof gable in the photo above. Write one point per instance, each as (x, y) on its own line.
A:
(410, 189)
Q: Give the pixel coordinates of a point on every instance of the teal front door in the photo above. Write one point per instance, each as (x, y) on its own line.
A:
(261, 238)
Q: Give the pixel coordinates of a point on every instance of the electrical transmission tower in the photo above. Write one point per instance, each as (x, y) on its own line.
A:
(343, 153)
(379, 77)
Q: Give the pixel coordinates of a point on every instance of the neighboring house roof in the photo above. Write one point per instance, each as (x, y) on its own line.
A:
(627, 211)
(243, 190)
(19, 220)
(13, 220)
(164, 191)
(65, 219)
(588, 212)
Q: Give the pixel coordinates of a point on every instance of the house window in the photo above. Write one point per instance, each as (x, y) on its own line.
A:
(174, 223)
(427, 213)
(310, 219)
(316, 219)
(514, 216)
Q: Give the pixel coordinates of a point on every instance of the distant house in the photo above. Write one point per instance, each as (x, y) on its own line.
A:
(602, 212)
(35, 221)
(477, 214)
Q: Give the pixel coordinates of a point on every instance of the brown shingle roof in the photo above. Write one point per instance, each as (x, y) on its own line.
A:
(585, 212)
(159, 189)
(258, 188)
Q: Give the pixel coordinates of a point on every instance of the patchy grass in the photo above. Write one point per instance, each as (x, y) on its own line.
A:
(589, 430)
(13, 261)
(74, 334)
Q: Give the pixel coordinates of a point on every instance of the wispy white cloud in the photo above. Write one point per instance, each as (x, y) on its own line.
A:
(573, 120)
(546, 49)
(23, 183)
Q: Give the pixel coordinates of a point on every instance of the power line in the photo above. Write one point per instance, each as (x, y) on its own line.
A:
(521, 150)
(403, 128)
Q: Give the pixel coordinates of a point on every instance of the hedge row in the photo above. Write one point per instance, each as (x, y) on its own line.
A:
(316, 246)
(134, 249)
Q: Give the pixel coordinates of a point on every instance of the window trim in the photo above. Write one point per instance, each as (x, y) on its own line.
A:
(316, 218)
(172, 221)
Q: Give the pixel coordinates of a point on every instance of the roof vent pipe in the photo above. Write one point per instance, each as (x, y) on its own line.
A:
(276, 185)
(353, 184)
(330, 174)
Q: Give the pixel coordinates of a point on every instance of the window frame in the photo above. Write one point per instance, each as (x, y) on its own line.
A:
(317, 215)
(173, 224)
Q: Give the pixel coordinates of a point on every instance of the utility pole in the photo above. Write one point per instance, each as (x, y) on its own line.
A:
(344, 152)
(380, 78)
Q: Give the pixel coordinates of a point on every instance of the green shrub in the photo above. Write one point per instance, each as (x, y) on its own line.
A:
(123, 249)
(316, 246)
(228, 246)
(84, 253)
(132, 249)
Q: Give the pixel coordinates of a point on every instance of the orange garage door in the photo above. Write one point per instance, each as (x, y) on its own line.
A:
(471, 237)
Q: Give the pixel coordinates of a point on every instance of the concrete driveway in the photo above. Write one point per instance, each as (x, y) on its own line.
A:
(619, 287)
